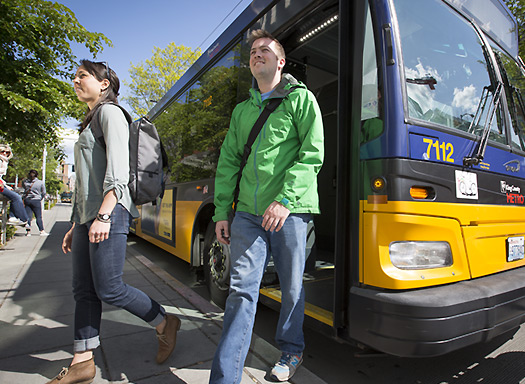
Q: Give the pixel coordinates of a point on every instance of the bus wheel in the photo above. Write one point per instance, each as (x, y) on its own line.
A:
(216, 267)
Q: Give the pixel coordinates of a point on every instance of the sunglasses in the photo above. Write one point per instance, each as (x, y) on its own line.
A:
(107, 69)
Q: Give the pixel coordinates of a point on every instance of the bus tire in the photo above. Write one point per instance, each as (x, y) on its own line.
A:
(216, 257)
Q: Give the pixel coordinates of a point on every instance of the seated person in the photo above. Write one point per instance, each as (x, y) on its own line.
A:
(17, 212)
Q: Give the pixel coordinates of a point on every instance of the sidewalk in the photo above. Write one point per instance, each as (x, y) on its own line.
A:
(37, 311)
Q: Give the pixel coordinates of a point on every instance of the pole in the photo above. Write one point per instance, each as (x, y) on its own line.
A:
(44, 160)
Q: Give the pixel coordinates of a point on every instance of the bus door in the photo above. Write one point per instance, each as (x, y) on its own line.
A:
(312, 46)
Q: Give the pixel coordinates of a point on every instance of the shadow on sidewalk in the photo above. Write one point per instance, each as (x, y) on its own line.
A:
(36, 324)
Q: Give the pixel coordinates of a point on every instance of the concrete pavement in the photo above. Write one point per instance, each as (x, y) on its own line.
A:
(37, 311)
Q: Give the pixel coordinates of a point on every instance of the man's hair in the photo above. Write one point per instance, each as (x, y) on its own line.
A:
(34, 172)
(261, 34)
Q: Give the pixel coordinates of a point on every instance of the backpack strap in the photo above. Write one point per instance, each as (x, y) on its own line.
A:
(267, 111)
(96, 127)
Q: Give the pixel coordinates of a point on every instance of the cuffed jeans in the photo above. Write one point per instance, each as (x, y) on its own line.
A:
(97, 278)
(251, 248)
(34, 206)
(17, 206)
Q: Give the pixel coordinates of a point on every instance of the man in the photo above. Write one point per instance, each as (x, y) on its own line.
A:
(277, 196)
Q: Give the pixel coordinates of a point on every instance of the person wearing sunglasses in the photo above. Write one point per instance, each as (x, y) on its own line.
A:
(101, 213)
(17, 213)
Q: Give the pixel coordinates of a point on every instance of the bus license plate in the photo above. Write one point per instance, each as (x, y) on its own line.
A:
(515, 248)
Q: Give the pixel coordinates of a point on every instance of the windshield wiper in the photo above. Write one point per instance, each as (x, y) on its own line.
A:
(493, 107)
(427, 80)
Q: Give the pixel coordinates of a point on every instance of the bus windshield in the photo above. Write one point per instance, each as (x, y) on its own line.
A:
(445, 67)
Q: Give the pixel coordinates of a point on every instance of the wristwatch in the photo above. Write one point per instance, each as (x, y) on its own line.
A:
(104, 217)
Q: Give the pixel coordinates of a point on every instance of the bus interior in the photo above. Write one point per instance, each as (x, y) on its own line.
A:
(314, 61)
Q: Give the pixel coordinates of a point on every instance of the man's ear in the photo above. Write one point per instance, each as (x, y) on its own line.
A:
(281, 64)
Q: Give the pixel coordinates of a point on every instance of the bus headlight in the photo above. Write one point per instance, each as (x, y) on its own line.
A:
(420, 254)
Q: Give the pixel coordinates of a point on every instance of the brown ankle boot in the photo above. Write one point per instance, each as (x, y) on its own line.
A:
(80, 373)
(168, 338)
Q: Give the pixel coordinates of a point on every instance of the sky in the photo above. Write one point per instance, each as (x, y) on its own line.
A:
(135, 27)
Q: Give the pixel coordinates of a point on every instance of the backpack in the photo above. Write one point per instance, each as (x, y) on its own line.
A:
(147, 158)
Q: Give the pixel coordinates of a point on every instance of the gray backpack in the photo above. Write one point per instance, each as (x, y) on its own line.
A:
(147, 158)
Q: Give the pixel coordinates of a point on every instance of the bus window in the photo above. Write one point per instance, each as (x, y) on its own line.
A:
(445, 67)
(371, 123)
(514, 80)
(194, 126)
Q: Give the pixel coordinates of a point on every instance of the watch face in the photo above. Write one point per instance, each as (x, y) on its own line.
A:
(105, 216)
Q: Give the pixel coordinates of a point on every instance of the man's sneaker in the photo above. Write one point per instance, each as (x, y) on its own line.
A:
(44, 233)
(285, 368)
(16, 221)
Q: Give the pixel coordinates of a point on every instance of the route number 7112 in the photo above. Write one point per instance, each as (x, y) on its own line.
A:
(443, 150)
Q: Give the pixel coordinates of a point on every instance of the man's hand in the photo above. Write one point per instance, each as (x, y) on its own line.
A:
(274, 217)
(222, 231)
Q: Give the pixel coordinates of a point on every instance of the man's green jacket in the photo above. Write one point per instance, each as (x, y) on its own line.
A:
(285, 159)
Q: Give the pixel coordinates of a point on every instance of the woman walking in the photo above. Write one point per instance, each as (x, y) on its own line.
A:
(34, 193)
(102, 210)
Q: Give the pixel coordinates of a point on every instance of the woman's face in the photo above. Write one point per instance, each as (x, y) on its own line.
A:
(87, 87)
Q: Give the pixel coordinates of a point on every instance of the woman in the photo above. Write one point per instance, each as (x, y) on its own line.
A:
(102, 209)
(34, 193)
(17, 213)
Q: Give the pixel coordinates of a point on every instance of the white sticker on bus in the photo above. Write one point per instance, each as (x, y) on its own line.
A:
(466, 185)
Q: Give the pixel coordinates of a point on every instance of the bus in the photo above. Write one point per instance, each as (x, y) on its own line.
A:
(419, 247)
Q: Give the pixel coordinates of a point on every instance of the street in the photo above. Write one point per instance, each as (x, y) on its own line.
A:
(37, 313)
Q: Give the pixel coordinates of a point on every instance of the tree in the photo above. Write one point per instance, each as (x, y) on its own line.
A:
(35, 60)
(151, 80)
(517, 7)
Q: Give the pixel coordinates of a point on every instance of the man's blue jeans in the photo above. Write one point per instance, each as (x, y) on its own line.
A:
(251, 248)
(97, 278)
(17, 206)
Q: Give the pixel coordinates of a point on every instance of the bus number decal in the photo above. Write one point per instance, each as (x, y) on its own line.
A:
(442, 150)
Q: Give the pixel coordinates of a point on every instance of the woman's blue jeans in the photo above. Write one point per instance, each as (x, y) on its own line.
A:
(34, 206)
(251, 248)
(17, 206)
(97, 278)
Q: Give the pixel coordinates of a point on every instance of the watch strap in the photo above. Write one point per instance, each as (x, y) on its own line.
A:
(104, 217)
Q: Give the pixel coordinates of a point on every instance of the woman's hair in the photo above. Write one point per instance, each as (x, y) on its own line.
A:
(33, 171)
(101, 71)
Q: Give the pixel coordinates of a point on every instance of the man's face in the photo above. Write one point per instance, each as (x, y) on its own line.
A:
(264, 61)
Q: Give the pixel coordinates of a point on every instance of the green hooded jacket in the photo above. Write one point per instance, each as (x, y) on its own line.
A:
(285, 159)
